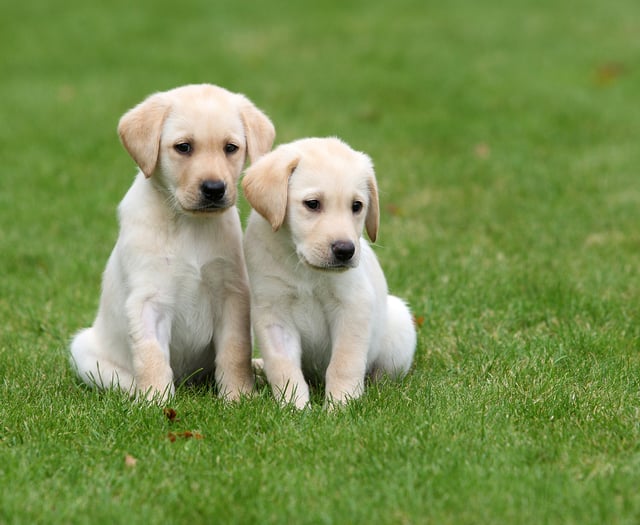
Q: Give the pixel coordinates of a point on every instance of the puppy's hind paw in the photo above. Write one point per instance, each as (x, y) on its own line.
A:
(258, 371)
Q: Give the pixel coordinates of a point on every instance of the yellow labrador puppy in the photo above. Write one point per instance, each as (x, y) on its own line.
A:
(175, 295)
(320, 307)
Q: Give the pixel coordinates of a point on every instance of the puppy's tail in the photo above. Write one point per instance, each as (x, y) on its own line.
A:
(399, 342)
(92, 367)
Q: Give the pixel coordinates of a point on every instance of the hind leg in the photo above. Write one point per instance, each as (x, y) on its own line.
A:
(94, 368)
(398, 344)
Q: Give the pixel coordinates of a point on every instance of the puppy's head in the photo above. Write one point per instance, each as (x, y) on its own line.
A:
(193, 142)
(324, 192)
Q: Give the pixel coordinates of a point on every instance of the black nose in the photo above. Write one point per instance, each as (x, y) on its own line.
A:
(343, 250)
(213, 190)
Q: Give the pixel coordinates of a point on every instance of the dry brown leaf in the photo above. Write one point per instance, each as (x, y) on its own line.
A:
(170, 414)
(130, 461)
(187, 434)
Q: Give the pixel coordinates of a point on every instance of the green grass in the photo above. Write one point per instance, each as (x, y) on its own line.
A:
(505, 136)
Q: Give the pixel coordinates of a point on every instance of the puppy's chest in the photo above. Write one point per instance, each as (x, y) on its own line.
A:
(196, 253)
(195, 266)
(197, 296)
(197, 278)
(314, 311)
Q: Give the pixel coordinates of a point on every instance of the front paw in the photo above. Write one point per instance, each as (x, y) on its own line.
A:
(292, 395)
(240, 387)
(157, 394)
(339, 395)
(153, 374)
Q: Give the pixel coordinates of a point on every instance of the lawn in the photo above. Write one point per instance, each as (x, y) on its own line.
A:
(505, 137)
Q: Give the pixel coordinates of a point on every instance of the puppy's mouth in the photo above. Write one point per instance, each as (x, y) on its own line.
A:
(328, 266)
(209, 207)
(334, 267)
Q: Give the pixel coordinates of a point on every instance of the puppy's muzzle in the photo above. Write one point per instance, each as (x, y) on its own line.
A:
(213, 195)
(343, 251)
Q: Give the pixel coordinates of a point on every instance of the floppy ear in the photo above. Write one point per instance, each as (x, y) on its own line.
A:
(372, 220)
(266, 184)
(258, 129)
(140, 129)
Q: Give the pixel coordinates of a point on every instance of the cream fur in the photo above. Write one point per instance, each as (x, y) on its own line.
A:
(175, 296)
(315, 316)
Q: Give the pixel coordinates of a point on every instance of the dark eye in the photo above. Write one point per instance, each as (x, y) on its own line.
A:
(313, 204)
(184, 148)
(230, 148)
(356, 207)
